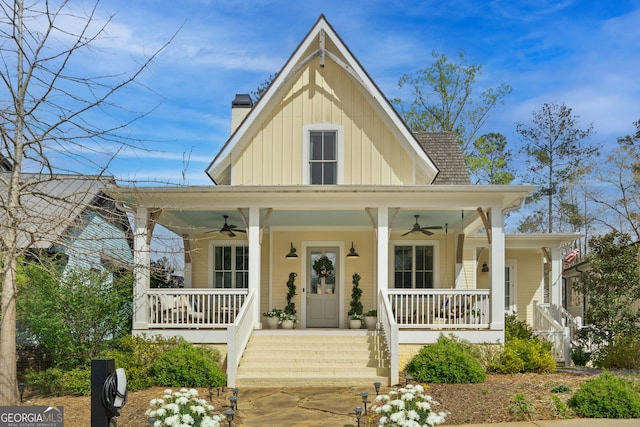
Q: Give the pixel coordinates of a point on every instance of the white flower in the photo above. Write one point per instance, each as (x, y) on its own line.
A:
(172, 407)
(410, 407)
(397, 416)
(413, 415)
(183, 409)
(408, 396)
(197, 409)
(172, 420)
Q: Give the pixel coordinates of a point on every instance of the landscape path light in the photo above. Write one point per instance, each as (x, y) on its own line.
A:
(229, 414)
(358, 411)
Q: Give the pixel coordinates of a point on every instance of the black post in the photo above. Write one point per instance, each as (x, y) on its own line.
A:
(100, 370)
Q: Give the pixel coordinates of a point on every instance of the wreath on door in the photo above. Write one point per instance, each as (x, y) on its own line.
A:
(323, 266)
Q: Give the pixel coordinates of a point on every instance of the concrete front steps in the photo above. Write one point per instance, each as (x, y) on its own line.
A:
(314, 358)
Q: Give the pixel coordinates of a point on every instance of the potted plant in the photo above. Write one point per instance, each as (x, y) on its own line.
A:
(273, 317)
(289, 312)
(370, 319)
(288, 321)
(355, 312)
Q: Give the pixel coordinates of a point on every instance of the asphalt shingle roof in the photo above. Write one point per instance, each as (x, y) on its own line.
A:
(444, 150)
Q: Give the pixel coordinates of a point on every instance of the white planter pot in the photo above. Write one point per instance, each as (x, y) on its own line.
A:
(355, 323)
(370, 322)
(287, 324)
(273, 322)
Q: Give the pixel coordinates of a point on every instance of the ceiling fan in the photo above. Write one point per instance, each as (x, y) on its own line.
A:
(424, 230)
(228, 229)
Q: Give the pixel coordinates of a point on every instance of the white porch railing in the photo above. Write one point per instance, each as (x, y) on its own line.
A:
(440, 308)
(546, 327)
(238, 337)
(194, 308)
(389, 327)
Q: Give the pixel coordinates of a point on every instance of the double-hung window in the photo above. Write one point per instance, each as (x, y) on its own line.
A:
(230, 266)
(414, 266)
(323, 158)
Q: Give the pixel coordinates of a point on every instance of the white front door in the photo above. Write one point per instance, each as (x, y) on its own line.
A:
(323, 299)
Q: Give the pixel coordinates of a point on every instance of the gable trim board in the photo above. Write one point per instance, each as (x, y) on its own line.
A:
(218, 169)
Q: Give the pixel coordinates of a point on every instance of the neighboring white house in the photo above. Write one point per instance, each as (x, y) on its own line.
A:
(323, 165)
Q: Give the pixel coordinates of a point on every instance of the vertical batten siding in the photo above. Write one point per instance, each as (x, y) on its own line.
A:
(372, 155)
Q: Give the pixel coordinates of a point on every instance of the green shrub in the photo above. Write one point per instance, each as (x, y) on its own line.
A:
(561, 389)
(623, 354)
(188, 366)
(559, 408)
(47, 382)
(77, 382)
(449, 361)
(136, 355)
(522, 407)
(516, 329)
(579, 356)
(524, 355)
(607, 396)
(56, 382)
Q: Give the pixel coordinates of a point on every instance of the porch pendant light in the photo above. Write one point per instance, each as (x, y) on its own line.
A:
(292, 253)
(352, 252)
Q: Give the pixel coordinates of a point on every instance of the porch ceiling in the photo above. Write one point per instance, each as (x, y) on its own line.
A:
(181, 221)
(191, 210)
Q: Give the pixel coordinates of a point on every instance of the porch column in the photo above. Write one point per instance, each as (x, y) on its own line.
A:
(383, 248)
(496, 272)
(254, 261)
(141, 267)
(555, 290)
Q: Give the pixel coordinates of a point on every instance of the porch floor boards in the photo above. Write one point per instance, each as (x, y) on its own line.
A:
(313, 358)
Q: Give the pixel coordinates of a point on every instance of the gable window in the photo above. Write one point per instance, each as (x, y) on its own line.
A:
(322, 154)
(414, 266)
(230, 266)
(323, 160)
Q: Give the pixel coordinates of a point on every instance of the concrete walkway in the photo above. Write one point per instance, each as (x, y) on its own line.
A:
(334, 407)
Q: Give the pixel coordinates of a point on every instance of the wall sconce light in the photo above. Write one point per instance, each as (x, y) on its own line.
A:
(292, 253)
(485, 267)
(352, 252)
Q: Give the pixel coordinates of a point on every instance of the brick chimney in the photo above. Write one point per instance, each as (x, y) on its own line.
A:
(240, 107)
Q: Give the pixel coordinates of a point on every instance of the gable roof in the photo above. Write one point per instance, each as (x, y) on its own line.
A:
(304, 53)
(53, 204)
(443, 148)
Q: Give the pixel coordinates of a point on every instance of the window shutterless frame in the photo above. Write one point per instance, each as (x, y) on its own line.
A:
(322, 154)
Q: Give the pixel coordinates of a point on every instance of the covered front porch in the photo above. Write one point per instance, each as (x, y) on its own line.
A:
(415, 267)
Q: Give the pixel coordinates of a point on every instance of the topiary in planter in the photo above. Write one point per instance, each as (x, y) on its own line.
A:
(356, 294)
(290, 309)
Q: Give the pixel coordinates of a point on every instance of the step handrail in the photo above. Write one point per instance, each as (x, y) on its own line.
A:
(391, 331)
(238, 335)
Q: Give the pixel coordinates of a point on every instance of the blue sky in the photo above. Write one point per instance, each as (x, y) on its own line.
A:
(583, 53)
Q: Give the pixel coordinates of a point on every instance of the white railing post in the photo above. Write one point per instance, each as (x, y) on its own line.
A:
(141, 269)
(567, 346)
